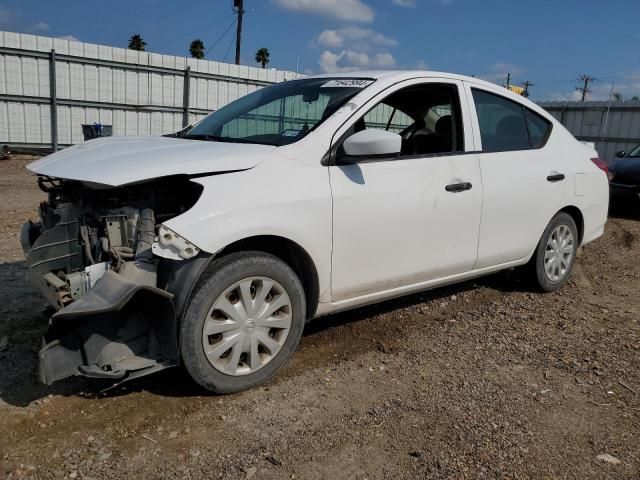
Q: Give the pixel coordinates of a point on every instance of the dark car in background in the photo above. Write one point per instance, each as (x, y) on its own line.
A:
(625, 177)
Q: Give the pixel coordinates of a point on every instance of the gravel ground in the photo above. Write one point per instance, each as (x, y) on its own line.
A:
(481, 380)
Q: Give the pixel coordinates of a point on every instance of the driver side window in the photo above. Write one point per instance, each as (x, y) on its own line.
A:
(427, 117)
(386, 117)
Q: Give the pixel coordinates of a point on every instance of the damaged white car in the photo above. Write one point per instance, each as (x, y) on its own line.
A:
(212, 248)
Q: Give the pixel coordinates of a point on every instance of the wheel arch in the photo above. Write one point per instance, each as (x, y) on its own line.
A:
(578, 217)
(291, 253)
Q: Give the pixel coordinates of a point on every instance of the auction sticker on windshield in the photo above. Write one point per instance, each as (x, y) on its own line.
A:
(347, 83)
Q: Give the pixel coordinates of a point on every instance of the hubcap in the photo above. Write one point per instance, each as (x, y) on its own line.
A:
(558, 253)
(247, 326)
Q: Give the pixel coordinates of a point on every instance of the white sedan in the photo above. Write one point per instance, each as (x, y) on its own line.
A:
(213, 247)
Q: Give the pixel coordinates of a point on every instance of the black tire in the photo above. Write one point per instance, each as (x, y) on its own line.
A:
(537, 265)
(220, 275)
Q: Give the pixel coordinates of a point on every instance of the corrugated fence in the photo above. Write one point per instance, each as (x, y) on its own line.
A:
(139, 93)
(611, 126)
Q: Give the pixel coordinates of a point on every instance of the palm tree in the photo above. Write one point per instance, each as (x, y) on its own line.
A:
(196, 49)
(617, 96)
(262, 57)
(137, 43)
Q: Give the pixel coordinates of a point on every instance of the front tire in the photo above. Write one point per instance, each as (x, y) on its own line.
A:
(244, 321)
(556, 253)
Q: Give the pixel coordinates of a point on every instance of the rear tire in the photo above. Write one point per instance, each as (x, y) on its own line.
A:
(555, 254)
(244, 321)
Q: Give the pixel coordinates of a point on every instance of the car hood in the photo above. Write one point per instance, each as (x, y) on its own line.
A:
(116, 161)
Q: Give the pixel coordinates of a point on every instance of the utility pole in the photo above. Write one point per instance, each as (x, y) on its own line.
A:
(586, 80)
(508, 80)
(238, 6)
(526, 86)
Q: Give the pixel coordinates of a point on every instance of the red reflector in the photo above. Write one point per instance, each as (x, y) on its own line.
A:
(601, 165)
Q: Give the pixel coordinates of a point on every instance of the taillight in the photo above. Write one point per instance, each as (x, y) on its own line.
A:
(602, 166)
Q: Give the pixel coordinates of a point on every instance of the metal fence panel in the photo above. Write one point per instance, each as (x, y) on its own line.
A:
(139, 93)
(611, 126)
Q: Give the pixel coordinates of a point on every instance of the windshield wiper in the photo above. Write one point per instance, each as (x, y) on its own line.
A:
(216, 138)
(202, 136)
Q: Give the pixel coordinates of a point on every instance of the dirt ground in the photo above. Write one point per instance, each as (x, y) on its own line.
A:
(481, 380)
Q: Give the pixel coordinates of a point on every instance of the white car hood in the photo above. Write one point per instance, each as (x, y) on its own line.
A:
(117, 161)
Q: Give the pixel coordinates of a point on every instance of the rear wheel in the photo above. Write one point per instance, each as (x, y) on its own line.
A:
(556, 253)
(243, 323)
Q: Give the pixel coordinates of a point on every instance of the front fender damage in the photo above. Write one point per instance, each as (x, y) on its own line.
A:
(118, 278)
(118, 330)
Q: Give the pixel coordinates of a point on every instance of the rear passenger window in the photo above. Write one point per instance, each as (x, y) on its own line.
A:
(506, 125)
(539, 129)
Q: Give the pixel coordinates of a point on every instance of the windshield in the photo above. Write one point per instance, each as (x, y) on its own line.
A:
(279, 114)
(635, 152)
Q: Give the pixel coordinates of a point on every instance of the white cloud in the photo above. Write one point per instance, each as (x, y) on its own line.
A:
(420, 65)
(383, 60)
(498, 72)
(345, 10)
(330, 38)
(71, 38)
(39, 27)
(354, 38)
(405, 3)
(349, 60)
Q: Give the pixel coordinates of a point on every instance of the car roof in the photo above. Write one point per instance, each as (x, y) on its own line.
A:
(401, 75)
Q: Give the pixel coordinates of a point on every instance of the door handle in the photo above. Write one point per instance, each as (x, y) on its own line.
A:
(558, 177)
(458, 187)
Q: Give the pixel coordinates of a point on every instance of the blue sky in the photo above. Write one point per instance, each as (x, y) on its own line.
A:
(549, 42)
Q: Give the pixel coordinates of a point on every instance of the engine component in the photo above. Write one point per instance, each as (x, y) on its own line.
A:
(56, 249)
(80, 283)
(116, 230)
(172, 246)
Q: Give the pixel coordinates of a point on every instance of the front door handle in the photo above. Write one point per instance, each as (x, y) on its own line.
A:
(558, 177)
(458, 187)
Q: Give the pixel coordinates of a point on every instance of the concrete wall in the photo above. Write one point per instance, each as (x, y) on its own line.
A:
(139, 93)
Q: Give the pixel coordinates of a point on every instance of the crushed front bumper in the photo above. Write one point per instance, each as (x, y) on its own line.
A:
(118, 330)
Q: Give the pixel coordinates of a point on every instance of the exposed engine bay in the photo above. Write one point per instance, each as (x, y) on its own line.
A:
(104, 261)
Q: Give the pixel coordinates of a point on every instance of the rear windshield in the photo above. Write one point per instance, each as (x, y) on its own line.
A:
(279, 114)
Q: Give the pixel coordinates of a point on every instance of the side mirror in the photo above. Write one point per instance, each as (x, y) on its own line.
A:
(621, 154)
(372, 143)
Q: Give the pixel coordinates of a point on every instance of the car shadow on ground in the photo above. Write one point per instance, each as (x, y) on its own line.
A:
(24, 317)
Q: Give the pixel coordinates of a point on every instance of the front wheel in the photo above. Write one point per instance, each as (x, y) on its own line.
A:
(556, 253)
(244, 321)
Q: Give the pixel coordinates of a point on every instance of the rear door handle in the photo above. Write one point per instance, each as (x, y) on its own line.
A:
(458, 187)
(558, 177)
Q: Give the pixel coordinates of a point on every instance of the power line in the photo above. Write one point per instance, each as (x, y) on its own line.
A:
(175, 11)
(586, 80)
(172, 12)
(210, 24)
(220, 37)
(228, 50)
